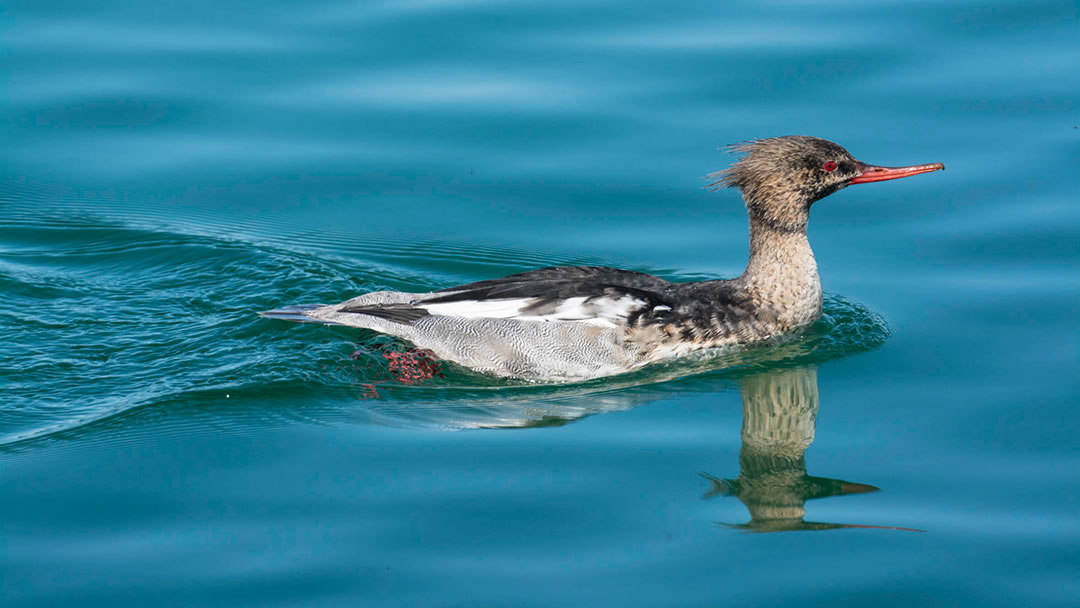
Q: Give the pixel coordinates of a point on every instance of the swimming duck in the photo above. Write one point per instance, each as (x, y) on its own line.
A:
(579, 322)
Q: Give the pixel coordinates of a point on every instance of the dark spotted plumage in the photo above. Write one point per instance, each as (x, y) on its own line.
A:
(582, 322)
(695, 310)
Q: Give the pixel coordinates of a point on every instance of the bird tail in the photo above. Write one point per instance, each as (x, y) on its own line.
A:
(295, 313)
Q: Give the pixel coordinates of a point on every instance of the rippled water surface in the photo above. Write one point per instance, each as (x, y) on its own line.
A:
(170, 169)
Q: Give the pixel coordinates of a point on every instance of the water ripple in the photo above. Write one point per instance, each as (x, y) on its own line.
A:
(128, 318)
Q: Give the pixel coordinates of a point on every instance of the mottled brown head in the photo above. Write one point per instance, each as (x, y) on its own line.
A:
(781, 177)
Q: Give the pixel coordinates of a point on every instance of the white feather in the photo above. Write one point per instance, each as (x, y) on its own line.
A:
(594, 311)
(475, 309)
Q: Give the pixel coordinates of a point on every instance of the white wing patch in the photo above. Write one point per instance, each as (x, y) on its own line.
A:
(601, 311)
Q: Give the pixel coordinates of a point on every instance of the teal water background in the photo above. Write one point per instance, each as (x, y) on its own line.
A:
(169, 169)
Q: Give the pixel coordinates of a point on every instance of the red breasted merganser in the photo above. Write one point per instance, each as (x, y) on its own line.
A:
(573, 323)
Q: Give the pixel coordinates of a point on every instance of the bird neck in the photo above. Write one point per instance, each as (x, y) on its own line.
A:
(782, 273)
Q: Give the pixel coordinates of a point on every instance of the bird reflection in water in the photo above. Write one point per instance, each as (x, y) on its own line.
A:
(779, 419)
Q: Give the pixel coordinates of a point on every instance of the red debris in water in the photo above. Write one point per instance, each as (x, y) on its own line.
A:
(413, 366)
(369, 391)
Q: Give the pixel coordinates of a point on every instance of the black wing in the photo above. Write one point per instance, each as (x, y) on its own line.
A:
(560, 283)
(574, 293)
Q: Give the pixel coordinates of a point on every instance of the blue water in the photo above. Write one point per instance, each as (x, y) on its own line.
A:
(169, 169)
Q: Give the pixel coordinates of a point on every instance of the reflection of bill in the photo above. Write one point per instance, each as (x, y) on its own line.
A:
(779, 418)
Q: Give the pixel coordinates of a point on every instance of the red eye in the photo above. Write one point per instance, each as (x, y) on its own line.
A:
(829, 166)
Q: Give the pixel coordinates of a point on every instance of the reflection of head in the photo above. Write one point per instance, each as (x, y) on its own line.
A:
(779, 418)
